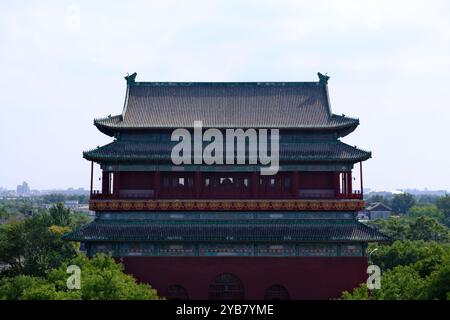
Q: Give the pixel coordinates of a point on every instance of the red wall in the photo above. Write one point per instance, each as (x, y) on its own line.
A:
(303, 277)
(136, 180)
(316, 180)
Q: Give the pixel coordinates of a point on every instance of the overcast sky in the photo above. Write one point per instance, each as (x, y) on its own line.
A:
(62, 65)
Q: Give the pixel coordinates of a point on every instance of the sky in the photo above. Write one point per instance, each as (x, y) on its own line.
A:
(62, 65)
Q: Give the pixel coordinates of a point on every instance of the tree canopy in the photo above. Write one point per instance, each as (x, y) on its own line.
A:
(402, 202)
(101, 279)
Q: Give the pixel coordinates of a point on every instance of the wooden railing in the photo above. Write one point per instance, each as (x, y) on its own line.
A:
(150, 194)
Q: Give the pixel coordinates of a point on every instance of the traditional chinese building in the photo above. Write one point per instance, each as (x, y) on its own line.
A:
(202, 231)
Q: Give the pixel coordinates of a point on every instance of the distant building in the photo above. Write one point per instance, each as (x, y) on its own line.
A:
(71, 204)
(376, 210)
(23, 189)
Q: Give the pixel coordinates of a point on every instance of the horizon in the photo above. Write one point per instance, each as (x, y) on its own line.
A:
(366, 189)
(389, 66)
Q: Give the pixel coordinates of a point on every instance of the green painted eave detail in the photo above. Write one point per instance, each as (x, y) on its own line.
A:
(301, 230)
(298, 152)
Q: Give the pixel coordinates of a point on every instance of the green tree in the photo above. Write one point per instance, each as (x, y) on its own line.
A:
(101, 279)
(400, 283)
(427, 199)
(395, 228)
(438, 285)
(425, 228)
(60, 215)
(425, 256)
(402, 202)
(443, 204)
(359, 293)
(410, 270)
(33, 247)
(426, 211)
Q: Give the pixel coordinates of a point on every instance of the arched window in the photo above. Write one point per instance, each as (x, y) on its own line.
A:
(226, 287)
(177, 292)
(276, 292)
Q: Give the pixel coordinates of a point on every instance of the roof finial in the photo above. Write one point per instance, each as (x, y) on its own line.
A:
(130, 78)
(323, 78)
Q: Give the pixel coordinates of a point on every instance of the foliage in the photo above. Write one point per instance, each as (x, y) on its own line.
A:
(33, 247)
(408, 228)
(36, 259)
(60, 215)
(409, 273)
(426, 199)
(443, 204)
(425, 256)
(402, 202)
(411, 270)
(359, 293)
(439, 283)
(417, 265)
(101, 279)
(426, 228)
(55, 198)
(430, 211)
(394, 228)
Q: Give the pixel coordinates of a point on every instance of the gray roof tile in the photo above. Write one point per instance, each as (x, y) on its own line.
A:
(300, 105)
(330, 151)
(206, 230)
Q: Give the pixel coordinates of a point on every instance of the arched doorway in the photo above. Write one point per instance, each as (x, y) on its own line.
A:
(177, 292)
(226, 287)
(276, 292)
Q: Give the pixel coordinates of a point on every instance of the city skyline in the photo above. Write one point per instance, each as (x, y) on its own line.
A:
(389, 66)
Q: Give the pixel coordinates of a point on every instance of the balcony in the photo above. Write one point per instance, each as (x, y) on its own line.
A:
(227, 191)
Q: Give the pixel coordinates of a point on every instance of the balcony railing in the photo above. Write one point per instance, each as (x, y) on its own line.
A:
(150, 194)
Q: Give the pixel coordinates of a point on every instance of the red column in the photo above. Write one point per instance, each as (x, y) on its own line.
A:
(105, 182)
(295, 182)
(157, 183)
(198, 183)
(255, 184)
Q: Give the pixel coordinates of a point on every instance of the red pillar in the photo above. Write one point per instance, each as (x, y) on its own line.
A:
(157, 183)
(255, 184)
(105, 182)
(198, 183)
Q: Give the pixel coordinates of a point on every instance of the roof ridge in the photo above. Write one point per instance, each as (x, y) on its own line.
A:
(225, 83)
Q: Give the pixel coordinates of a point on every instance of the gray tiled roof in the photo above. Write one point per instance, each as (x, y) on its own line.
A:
(330, 151)
(299, 105)
(207, 230)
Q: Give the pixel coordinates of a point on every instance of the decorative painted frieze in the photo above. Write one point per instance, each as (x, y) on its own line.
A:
(226, 205)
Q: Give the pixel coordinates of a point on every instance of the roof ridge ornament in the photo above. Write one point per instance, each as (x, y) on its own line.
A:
(323, 78)
(131, 78)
